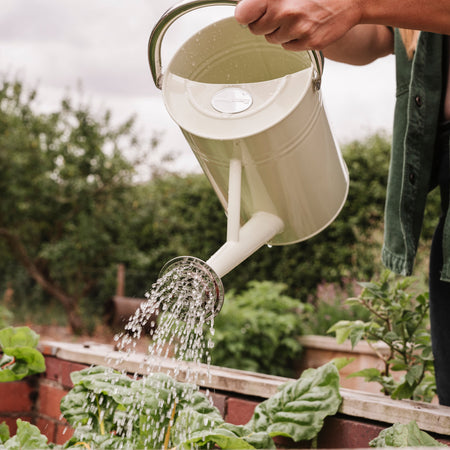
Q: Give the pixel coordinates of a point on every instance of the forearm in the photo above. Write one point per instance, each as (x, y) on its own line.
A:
(424, 15)
(361, 45)
(343, 29)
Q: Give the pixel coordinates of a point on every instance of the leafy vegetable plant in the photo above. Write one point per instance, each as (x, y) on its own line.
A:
(399, 319)
(20, 357)
(258, 330)
(404, 435)
(27, 436)
(110, 410)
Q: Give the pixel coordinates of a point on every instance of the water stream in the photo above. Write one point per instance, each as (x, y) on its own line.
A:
(184, 302)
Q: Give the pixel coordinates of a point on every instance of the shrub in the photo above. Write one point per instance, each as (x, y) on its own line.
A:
(399, 319)
(258, 330)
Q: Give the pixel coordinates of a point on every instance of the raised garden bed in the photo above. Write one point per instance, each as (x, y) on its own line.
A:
(361, 417)
(318, 350)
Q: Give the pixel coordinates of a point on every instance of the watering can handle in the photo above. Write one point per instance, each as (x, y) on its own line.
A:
(185, 6)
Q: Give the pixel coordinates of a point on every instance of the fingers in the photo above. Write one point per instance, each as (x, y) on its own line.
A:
(264, 17)
(249, 11)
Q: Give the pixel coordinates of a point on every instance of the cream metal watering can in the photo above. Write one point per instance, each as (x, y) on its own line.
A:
(253, 115)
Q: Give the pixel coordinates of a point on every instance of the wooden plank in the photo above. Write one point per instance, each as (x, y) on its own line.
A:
(429, 417)
(212, 377)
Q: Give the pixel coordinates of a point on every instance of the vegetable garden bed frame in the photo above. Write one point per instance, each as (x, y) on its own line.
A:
(235, 393)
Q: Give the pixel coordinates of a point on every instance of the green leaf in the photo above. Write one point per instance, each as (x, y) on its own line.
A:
(403, 390)
(342, 362)
(413, 374)
(20, 358)
(343, 328)
(27, 437)
(369, 374)
(4, 432)
(299, 408)
(400, 435)
(18, 337)
(227, 436)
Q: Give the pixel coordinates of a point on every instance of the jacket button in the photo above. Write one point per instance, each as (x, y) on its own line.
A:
(418, 100)
(412, 178)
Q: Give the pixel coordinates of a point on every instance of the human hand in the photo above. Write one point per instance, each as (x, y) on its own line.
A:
(299, 24)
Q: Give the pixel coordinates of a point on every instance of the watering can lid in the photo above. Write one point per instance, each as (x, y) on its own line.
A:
(224, 111)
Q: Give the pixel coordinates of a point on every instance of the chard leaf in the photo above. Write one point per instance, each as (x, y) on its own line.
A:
(83, 435)
(104, 401)
(223, 435)
(27, 436)
(20, 357)
(298, 410)
(4, 432)
(400, 435)
(18, 337)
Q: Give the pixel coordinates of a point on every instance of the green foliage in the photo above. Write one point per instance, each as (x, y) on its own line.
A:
(399, 319)
(20, 357)
(329, 307)
(110, 410)
(5, 316)
(65, 195)
(4, 432)
(27, 436)
(404, 435)
(297, 411)
(258, 330)
(174, 215)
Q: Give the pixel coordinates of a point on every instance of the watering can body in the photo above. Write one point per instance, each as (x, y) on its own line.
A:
(238, 98)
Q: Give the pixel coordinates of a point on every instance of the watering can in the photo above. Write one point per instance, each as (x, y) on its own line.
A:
(253, 115)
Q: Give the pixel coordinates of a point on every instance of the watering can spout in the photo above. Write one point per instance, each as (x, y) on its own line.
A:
(255, 233)
(259, 230)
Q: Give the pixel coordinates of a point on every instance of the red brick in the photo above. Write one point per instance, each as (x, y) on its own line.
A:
(340, 432)
(59, 370)
(49, 400)
(16, 396)
(220, 402)
(63, 433)
(239, 411)
(53, 369)
(47, 427)
(67, 369)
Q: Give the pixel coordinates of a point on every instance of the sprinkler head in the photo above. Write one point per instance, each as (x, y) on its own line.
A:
(193, 273)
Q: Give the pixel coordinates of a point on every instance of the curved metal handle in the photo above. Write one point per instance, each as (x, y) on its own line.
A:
(185, 6)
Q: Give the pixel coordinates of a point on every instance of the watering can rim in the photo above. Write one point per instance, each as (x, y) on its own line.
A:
(185, 6)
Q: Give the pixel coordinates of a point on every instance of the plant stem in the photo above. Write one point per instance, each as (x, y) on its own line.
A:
(100, 420)
(167, 436)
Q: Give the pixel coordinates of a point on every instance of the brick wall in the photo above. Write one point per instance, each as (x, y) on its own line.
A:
(36, 399)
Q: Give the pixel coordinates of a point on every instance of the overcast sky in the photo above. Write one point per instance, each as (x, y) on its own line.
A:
(101, 45)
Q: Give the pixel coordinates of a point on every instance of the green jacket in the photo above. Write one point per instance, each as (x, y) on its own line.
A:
(419, 86)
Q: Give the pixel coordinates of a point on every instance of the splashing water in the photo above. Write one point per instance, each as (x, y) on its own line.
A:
(185, 299)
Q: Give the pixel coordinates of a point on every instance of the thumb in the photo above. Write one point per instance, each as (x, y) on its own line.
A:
(249, 11)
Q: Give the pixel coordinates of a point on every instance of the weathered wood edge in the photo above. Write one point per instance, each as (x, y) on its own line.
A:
(429, 417)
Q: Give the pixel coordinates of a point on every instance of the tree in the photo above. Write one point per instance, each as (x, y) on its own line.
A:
(64, 190)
